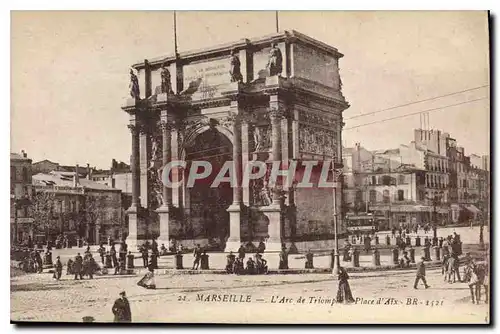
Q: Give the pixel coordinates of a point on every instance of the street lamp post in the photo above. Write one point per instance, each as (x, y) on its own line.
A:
(435, 200)
(337, 171)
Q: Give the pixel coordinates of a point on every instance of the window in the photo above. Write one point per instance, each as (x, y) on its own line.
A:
(25, 174)
(386, 196)
(421, 195)
(359, 196)
(401, 195)
(401, 179)
(373, 196)
(401, 219)
(374, 180)
(12, 173)
(465, 184)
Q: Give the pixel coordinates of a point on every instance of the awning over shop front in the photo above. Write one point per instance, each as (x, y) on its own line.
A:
(409, 208)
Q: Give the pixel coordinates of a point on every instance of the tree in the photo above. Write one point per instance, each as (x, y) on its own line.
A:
(42, 212)
(94, 210)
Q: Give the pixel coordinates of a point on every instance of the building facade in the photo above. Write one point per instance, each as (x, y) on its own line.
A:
(273, 99)
(20, 196)
(429, 180)
(78, 207)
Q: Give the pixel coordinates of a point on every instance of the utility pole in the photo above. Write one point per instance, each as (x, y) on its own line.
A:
(277, 22)
(337, 172)
(175, 34)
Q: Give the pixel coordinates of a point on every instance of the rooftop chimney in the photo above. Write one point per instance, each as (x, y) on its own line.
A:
(24, 154)
(76, 178)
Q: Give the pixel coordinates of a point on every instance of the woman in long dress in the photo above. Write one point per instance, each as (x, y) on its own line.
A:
(148, 281)
(344, 294)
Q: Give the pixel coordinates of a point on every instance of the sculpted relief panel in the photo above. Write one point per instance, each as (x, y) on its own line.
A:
(317, 141)
(261, 138)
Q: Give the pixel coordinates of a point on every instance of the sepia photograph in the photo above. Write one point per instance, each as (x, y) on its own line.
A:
(250, 167)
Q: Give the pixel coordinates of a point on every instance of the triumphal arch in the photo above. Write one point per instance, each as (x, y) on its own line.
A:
(273, 98)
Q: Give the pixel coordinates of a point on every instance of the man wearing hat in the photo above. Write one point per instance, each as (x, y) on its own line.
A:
(420, 273)
(121, 309)
(58, 268)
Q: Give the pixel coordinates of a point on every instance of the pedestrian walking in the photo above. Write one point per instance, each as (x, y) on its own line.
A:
(112, 252)
(109, 263)
(420, 274)
(58, 268)
(102, 252)
(241, 252)
(91, 267)
(154, 260)
(283, 264)
(121, 309)
(69, 267)
(148, 281)
(78, 267)
(144, 253)
(344, 294)
(197, 257)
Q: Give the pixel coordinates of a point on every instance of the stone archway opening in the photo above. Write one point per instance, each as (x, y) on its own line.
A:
(208, 205)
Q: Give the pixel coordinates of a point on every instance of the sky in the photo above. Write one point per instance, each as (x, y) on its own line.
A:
(69, 73)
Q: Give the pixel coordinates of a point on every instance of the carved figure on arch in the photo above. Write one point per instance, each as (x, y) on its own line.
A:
(166, 83)
(275, 63)
(235, 68)
(134, 85)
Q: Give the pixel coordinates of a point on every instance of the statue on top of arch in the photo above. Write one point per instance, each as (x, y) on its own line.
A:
(275, 63)
(166, 83)
(235, 69)
(134, 85)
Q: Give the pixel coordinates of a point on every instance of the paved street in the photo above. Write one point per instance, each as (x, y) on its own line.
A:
(177, 298)
(37, 297)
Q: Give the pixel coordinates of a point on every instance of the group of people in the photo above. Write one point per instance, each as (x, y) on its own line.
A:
(31, 260)
(151, 260)
(80, 266)
(235, 265)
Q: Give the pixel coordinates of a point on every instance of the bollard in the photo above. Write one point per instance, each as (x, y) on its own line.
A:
(437, 254)
(178, 261)
(387, 240)
(408, 241)
(204, 261)
(332, 259)
(412, 255)
(418, 242)
(283, 263)
(130, 261)
(376, 258)
(355, 258)
(427, 253)
(376, 240)
(395, 255)
(309, 260)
